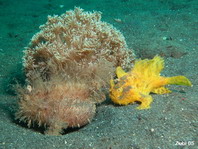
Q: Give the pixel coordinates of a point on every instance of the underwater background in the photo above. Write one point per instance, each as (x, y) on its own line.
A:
(151, 27)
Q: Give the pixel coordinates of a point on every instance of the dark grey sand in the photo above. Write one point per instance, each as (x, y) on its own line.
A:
(165, 27)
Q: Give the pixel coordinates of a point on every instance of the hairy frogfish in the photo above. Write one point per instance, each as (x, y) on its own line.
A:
(143, 79)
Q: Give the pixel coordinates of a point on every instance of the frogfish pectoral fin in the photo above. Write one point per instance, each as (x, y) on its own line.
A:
(145, 102)
(179, 80)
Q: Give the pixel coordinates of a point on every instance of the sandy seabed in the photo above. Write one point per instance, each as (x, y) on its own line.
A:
(164, 27)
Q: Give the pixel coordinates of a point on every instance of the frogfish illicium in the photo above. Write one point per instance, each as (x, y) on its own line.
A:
(143, 79)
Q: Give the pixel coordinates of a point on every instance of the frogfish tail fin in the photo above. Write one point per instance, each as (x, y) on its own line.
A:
(179, 80)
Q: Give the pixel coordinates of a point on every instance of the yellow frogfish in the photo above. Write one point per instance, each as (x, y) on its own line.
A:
(143, 79)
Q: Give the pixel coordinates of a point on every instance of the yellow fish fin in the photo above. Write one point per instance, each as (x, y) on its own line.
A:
(145, 102)
(120, 72)
(112, 84)
(161, 90)
(179, 80)
(148, 67)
